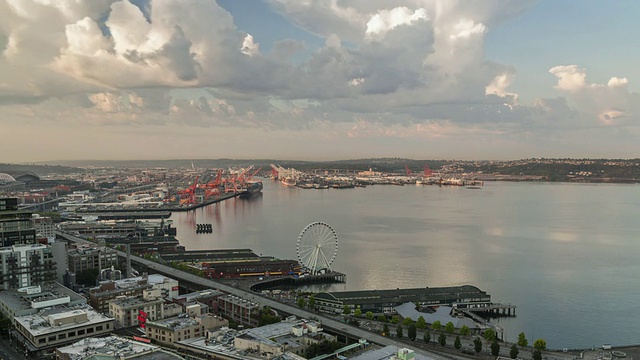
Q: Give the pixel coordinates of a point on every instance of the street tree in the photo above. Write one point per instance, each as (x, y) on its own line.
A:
(449, 327)
(426, 337)
(540, 344)
(346, 310)
(489, 335)
(442, 339)
(312, 302)
(369, 315)
(407, 321)
(457, 343)
(357, 313)
(421, 323)
(385, 330)
(437, 326)
(537, 354)
(395, 319)
(495, 348)
(301, 302)
(382, 318)
(465, 331)
(411, 332)
(399, 331)
(514, 351)
(477, 345)
(522, 340)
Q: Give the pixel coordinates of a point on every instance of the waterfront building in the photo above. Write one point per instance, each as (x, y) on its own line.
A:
(384, 301)
(126, 311)
(182, 327)
(26, 265)
(113, 348)
(16, 226)
(239, 310)
(59, 325)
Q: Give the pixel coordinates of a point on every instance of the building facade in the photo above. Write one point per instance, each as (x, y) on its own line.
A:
(87, 257)
(174, 329)
(26, 265)
(16, 226)
(128, 311)
(239, 310)
(57, 326)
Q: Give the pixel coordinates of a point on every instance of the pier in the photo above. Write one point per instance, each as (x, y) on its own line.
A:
(496, 309)
(295, 280)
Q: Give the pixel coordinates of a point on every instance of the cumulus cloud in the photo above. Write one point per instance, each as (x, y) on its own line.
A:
(386, 20)
(609, 103)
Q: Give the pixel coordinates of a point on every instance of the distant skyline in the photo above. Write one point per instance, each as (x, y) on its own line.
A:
(318, 80)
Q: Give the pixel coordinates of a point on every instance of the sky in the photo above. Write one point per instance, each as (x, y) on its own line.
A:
(318, 79)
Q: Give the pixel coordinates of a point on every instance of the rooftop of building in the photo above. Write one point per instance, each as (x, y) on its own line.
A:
(21, 300)
(152, 279)
(134, 301)
(198, 294)
(40, 323)
(115, 347)
(174, 323)
(239, 301)
(387, 353)
(22, 248)
(463, 291)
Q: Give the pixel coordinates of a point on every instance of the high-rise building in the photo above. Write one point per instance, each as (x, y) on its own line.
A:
(16, 226)
(26, 265)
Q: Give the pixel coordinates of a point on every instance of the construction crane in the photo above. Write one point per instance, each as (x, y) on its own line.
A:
(407, 171)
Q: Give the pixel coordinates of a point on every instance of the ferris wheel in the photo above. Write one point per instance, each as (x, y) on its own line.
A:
(317, 247)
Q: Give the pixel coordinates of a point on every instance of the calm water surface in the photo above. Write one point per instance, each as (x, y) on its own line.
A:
(565, 254)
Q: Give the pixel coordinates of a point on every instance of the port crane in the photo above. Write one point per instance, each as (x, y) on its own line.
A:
(188, 195)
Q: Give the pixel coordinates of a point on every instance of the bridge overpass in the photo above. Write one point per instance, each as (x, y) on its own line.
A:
(329, 323)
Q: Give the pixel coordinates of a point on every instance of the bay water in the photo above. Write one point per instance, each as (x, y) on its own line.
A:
(567, 255)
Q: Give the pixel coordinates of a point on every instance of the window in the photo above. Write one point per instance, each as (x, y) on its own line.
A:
(89, 330)
(80, 332)
(99, 328)
(42, 341)
(72, 334)
(52, 338)
(62, 336)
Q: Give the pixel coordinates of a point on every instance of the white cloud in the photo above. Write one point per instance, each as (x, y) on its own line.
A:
(386, 20)
(249, 47)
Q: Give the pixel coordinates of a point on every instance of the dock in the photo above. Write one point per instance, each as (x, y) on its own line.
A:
(295, 280)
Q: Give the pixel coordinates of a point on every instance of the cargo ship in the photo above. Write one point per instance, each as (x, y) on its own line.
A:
(253, 188)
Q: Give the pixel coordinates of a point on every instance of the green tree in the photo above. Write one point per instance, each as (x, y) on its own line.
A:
(537, 354)
(495, 348)
(421, 323)
(457, 343)
(442, 339)
(412, 333)
(522, 340)
(301, 302)
(385, 330)
(357, 313)
(540, 344)
(369, 315)
(465, 331)
(346, 310)
(382, 318)
(395, 319)
(449, 327)
(426, 337)
(407, 321)
(436, 325)
(514, 352)
(489, 335)
(312, 302)
(399, 331)
(477, 345)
